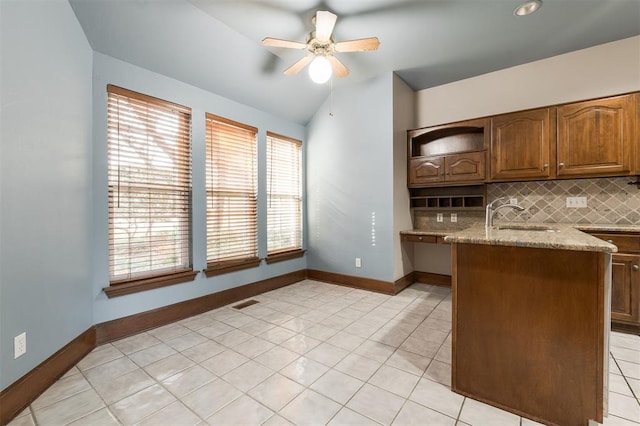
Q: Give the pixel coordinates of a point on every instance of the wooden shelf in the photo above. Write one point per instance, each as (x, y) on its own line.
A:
(453, 154)
(449, 198)
(465, 136)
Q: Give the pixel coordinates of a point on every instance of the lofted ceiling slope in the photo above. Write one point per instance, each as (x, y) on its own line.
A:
(216, 44)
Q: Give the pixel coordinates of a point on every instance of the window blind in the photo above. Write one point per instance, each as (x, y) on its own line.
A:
(231, 181)
(284, 193)
(149, 178)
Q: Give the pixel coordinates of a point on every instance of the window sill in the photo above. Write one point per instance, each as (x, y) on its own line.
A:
(285, 255)
(122, 288)
(226, 266)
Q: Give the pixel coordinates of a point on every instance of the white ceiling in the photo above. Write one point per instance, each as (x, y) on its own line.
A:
(216, 44)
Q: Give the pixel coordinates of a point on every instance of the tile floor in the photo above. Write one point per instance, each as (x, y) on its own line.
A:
(307, 354)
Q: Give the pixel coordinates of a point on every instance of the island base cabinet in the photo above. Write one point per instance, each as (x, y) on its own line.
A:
(625, 292)
(625, 281)
(530, 330)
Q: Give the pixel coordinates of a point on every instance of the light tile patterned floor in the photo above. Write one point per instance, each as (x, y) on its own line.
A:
(307, 354)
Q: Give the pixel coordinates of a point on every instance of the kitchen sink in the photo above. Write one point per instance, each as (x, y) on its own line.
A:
(528, 228)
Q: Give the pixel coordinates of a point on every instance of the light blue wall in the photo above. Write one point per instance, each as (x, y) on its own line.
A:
(108, 70)
(403, 120)
(53, 190)
(350, 179)
(45, 181)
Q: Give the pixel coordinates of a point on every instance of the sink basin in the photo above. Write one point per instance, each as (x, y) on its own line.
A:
(528, 228)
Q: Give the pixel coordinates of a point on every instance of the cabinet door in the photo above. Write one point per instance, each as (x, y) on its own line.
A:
(595, 137)
(426, 170)
(467, 167)
(625, 288)
(521, 145)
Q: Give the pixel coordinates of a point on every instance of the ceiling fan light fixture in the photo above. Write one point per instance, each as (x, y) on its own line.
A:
(527, 8)
(320, 44)
(320, 69)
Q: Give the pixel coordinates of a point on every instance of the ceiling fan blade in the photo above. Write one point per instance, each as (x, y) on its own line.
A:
(325, 21)
(361, 45)
(276, 42)
(295, 68)
(338, 67)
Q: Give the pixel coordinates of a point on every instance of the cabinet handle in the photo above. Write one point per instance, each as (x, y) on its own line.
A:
(544, 166)
(420, 238)
(635, 267)
(561, 165)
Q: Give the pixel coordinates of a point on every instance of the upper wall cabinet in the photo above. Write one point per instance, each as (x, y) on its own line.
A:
(600, 137)
(597, 138)
(453, 154)
(523, 145)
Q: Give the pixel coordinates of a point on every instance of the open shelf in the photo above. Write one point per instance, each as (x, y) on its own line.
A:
(449, 198)
(467, 136)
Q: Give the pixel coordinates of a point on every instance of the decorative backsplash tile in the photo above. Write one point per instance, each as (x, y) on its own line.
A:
(426, 219)
(609, 201)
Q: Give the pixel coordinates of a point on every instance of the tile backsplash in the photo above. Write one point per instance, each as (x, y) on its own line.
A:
(609, 201)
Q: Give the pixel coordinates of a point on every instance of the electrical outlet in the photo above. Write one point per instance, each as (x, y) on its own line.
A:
(513, 201)
(20, 345)
(358, 262)
(439, 217)
(454, 217)
(576, 202)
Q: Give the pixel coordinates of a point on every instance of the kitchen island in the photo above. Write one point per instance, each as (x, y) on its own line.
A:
(531, 320)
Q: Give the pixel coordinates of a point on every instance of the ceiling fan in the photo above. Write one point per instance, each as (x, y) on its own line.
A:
(322, 47)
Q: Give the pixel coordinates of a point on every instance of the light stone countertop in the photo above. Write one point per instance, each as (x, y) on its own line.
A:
(595, 227)
(567, 237)
(432, 232)
(603, 227)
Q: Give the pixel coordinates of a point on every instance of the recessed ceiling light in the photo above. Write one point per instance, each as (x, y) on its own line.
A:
(527, 8)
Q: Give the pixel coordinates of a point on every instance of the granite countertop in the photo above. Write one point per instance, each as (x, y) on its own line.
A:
(432, 232)
(603, 227)
(595, 227)
(565, 237)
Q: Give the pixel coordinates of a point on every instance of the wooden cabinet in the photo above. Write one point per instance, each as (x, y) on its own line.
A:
(530, 321)
(467, 167)
(583, 139)
(452, 154)
(414, 238)
(625, 289)
(425, 170)
(522, 144)
(625, 281)
(448, 198)
(596, 138)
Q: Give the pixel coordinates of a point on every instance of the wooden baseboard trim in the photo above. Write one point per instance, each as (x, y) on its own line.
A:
(371, 284)
(433, 279)
(133, 324)
(25, 390)
(17, 396)
(625, 328)
(402, 283)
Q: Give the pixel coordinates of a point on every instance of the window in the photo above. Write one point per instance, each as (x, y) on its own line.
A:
(149, 178)
(232, 225)
(284, 193)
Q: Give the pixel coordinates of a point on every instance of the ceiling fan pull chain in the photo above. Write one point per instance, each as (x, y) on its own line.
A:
(331, 96)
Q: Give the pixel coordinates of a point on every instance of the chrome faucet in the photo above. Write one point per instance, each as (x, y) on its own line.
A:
(492, 209)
